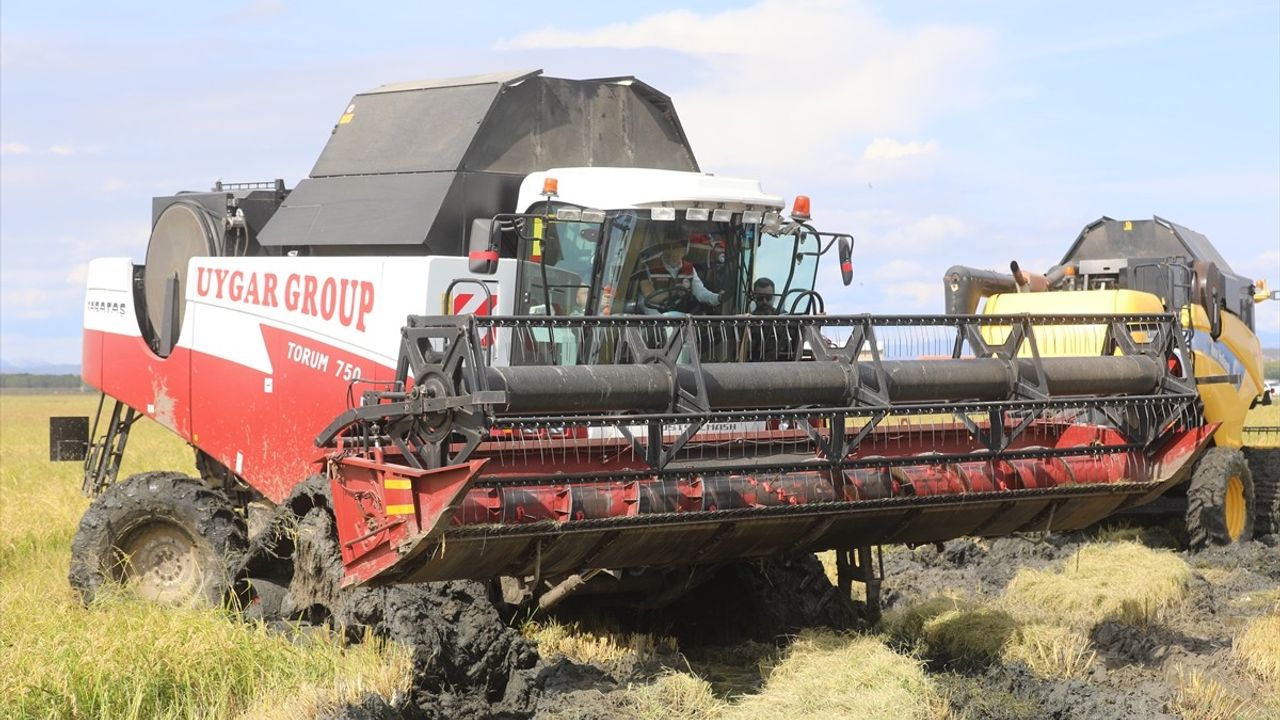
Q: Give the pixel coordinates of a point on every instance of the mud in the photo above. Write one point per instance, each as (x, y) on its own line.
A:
(1136, 668)
(470, 662)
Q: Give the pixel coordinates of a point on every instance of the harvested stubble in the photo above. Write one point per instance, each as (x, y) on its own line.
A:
(1258, 648)
(1043, 618)
(1051, 651)
(1197, 697)
(827, 675)
(1123, 581)
(556, 639)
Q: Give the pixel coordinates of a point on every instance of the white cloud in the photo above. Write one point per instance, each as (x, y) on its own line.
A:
(78, 275)
(67, 150)
(927, 232)
(899, 270)
(14, 148)
(263, 8)
(890, 149)
(31, 303)
(804, 102)
(918, 295)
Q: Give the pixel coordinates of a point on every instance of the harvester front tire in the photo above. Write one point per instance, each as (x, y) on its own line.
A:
(1264, 463)
(1220, 499)
(168, 536)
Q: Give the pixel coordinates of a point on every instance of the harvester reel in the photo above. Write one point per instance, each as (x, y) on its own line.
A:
(165, 535)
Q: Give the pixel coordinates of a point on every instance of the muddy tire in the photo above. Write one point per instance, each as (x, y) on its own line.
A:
(1220, 499)
(167, 535)
(464, 654)
(1264, 463)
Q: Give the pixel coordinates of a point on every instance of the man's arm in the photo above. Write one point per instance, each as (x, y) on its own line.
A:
(701, 293)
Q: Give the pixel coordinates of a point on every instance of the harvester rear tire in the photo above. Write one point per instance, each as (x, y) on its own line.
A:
(1264, 463)
(168, 536)
(1220, 499)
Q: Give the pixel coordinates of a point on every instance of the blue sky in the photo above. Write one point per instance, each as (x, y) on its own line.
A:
(935, 132)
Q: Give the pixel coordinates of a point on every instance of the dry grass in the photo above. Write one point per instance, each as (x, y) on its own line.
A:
(962, 633)
(972, 637)
(905, 626)
(674, 696)
(1199, 698)
(124, 658)
(555, 639)
(1126, 582)
(1051, 651)
(953, 632)
(1258, 649)
(822, 675)
(826, 675)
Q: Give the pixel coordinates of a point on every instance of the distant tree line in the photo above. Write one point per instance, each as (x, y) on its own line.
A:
(30, 380)
(1271, 369)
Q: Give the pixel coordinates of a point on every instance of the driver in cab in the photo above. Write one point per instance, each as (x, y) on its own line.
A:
(669, 280)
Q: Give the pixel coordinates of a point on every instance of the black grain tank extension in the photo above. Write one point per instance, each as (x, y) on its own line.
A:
(1166, 259)
(408, 166)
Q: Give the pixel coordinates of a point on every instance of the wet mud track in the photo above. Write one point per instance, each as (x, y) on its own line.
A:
(470, 662)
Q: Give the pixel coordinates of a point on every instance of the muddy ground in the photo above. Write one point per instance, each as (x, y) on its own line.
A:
(500, 674)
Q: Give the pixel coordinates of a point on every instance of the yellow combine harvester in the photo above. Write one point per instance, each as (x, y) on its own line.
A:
(1156, 266)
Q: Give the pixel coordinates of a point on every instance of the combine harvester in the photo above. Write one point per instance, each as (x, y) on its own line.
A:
(1156, 266)
(507, 331)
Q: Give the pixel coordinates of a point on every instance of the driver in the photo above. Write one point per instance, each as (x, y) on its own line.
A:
(670, 271)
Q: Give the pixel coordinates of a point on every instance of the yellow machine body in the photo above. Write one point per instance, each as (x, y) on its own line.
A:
(1228, 370)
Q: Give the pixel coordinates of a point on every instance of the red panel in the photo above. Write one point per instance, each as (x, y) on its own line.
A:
(158, 387)
(224, 408)
(268, 435)
(91, 359)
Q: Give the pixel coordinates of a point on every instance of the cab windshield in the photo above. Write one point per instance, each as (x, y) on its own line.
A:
(674, 267)
(786, 267)
(632, 264)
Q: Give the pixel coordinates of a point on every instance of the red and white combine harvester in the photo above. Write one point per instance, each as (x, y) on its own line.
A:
(508, 331)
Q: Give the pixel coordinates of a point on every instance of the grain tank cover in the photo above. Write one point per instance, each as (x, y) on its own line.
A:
(408, 166)
(1108, 239)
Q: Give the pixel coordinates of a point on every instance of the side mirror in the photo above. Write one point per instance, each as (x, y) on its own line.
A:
(482, 250)
(846, 259)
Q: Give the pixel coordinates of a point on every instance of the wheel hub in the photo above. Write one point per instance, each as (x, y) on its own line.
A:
(1235, 509)
(162, 563)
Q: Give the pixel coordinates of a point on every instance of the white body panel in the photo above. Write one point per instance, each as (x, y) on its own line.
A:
(634, 188)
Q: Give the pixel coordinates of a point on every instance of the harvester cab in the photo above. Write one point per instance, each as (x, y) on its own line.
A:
(1159, 266)
(612, 241)
(512, 333)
